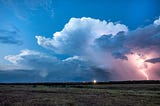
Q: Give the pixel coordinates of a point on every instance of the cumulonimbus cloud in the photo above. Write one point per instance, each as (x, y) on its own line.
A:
(95, 37)
(98, 49)
(78, 34)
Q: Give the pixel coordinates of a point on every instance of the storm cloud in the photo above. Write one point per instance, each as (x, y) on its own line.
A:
(97, 49)
(153, 60)
(138, 41)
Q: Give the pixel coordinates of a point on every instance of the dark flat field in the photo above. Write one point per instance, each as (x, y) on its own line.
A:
(80, 94)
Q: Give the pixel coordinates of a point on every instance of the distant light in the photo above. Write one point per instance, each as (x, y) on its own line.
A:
(94, 81)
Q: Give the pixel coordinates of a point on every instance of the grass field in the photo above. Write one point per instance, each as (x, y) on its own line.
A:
(80, 95)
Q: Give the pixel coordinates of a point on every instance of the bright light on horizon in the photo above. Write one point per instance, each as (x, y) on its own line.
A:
(94, 81)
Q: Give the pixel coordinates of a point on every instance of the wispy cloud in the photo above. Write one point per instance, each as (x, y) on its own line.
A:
(23, 9)
(10, 36)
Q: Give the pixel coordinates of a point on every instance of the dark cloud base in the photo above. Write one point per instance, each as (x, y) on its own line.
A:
(33, 76)
(153, 60)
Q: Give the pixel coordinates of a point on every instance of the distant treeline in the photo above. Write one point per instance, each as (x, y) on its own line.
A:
(85, 83)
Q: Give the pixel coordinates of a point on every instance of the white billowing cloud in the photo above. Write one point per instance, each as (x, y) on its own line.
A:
(78, 34)
(29, 59)
(17, 58)
(32, 59)
(157, 21)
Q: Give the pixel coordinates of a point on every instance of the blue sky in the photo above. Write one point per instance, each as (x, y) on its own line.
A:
(60, 35)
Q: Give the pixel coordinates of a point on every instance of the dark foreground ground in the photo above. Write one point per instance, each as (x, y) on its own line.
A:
(80, 95)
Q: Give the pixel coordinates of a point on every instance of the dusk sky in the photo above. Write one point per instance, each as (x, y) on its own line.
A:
(79, 40)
